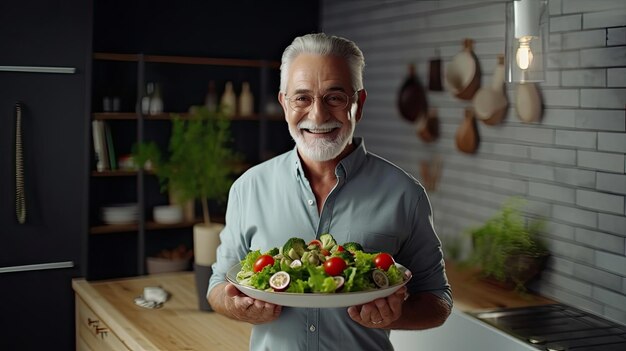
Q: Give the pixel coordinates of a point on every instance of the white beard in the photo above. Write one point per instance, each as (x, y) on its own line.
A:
(321, 149)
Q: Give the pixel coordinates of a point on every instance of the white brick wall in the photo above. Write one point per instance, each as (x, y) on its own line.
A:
(605, 57)
(584, 78)
(604, 19)
(566, 23)
(570, 166)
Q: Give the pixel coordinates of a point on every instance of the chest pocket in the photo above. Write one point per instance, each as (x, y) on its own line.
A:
(376, 242)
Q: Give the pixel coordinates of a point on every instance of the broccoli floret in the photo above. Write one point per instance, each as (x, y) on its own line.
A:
(346, 255)
(273, 252)
(327, 241)
(352, 246)
(294, 248)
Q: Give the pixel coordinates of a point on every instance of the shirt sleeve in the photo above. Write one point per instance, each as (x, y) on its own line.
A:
(423, 254)
(232, 248)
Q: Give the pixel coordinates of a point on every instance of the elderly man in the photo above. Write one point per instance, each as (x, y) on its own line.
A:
(330, 183)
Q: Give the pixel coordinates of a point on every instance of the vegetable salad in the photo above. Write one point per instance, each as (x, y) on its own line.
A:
(321, 266)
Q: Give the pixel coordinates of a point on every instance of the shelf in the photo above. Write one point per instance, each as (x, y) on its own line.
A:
(187, 60)
(115, 173)
(115, 115)
(113, 228)
(170, 115)
(150, 225)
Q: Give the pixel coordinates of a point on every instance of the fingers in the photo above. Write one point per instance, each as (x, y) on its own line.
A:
(231, 290)
(379, 313)
(248, 309)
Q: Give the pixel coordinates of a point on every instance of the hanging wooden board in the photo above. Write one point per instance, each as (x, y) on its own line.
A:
(434, 75)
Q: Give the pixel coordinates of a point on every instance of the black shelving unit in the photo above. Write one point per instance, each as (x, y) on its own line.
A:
(185, 80)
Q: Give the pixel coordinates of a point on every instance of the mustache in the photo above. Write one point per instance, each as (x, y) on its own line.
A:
(312, 125)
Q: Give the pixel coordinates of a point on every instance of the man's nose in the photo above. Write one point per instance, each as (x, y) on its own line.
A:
(319, 111)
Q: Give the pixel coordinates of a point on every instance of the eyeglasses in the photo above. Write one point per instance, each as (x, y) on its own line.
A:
(334, 101)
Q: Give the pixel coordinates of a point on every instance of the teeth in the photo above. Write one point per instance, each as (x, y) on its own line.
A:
(320, 131)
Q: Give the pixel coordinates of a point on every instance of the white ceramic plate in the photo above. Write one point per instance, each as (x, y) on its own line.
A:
(316, 300)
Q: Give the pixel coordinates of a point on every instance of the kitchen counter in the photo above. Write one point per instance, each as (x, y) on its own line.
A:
(106, 312)
(178, 325)
(471, 293)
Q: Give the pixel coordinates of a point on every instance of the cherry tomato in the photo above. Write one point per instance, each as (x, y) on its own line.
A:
(318, 243)
(334, 266)
(262, 261)
(315, 242)
(383, 261)
(340, 249)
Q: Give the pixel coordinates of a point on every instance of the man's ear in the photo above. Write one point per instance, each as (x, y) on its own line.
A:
(361, 96)
(283, 103)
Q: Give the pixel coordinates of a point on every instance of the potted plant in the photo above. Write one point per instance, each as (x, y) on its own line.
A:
(507, 249)
(198, 166)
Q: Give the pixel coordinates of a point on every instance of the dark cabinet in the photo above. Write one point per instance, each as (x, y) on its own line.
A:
(44, 66)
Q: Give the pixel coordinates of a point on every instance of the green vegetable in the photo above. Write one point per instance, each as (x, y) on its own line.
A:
(272, 252)
(294, 248)
(346, 255)
(247, 268)
(328, 242)
(352, 246)
(394, 275)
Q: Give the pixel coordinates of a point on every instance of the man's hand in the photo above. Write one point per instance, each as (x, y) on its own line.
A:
(247, 309)
(380, 313)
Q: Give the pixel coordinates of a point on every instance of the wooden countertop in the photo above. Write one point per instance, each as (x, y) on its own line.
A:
(180, 325)
(471, 293)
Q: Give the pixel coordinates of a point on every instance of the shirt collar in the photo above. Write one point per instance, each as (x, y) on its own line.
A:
(348, 165)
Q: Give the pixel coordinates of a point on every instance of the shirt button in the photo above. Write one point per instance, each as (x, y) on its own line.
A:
(312, 328)
(310, 202)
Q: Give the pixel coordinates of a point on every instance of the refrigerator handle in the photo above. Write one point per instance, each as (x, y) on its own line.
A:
(20, 199)
(37, 267)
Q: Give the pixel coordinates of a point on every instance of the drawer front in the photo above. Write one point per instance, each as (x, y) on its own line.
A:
(92, 333)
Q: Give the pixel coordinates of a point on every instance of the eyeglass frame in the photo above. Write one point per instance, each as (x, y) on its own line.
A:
(315, 97)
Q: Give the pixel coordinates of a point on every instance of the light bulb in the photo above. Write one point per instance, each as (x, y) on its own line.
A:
(524, 56)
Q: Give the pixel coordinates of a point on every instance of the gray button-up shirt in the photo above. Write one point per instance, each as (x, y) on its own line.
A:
(374, 203)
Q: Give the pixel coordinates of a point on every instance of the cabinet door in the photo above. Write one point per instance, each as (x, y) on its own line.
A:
(37, 305)
(92, 333)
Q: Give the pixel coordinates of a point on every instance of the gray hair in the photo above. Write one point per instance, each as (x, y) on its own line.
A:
(322, 44)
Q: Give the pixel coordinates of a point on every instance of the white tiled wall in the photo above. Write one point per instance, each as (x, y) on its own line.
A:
(571, 166)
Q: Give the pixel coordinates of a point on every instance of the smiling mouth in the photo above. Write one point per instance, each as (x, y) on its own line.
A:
(319, 130)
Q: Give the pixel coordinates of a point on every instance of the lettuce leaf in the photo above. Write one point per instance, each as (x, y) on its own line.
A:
(319, 281)
(394, 275)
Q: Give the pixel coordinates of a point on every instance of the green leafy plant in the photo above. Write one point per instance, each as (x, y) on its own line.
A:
(200, 163)
(507, 248)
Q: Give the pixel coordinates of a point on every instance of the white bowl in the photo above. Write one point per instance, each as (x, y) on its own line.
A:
(168, 214)
(164, 265)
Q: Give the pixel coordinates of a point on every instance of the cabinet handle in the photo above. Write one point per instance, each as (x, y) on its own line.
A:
(103, 332)
(20, 202)
(92, 321)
